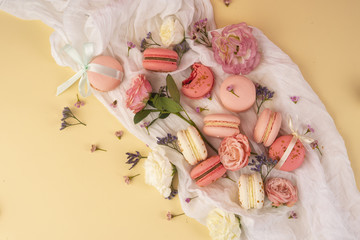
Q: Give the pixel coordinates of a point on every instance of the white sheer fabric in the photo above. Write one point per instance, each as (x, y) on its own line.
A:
(329, 202)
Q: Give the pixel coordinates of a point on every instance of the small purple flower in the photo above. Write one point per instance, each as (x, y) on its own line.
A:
(208, 96)
(295, 99)
(119, 134)
(227, 2)
(170, 216)
(148, 35)
(128, 179)
(79, 103)
(169, 141)
(201, 109)
(199, 33)
(96, 148)
(114, 104)
(263, 94)
(130, 45)
(66, 113)
(187, 200)
(309, 129)
(230, 88)
(260, 162)
(145, 125)
(293, 215)
(314, 144)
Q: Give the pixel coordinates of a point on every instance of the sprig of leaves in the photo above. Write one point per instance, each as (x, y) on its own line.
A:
(166, 102)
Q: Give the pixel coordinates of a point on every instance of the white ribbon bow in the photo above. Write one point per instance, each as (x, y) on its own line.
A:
(86, 66)
(296, 136)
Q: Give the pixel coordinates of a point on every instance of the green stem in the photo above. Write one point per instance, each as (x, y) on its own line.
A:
(80, 122)
(268, 172)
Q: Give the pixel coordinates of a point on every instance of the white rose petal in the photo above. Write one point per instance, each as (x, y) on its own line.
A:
(171, 31)
(223, 225)
(158, 171)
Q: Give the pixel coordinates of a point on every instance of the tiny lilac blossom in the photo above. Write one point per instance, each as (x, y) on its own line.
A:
(187, 200)
(295, 99)
(130, 45)
(96, 148)
(170, 216)
(227, 2)
(230, 88)
(201, 109)
(79, 103)
(309, 129)
(128, 179)
(293, 215)
(119, 134)
(114, 104)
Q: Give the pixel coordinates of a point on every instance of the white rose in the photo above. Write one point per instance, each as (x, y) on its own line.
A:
(171, 31)
(223, 225)
(159, 171)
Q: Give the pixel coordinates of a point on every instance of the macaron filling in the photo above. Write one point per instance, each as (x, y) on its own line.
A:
(193, 146)
(161, 59)
(269, 127)
(208, 171)
(221, 124)
(251, 191)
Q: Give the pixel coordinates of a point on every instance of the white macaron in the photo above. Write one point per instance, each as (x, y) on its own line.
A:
(191, 145)
(251, 191)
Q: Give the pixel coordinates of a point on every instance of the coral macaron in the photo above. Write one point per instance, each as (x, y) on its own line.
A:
(208, 171)
(221, 125)
(294, 159)
(267, 127)
(105, 73)
(237, 93)
(160, 60)
(200, 82)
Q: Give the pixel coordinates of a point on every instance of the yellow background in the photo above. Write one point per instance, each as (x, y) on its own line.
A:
(52, 187)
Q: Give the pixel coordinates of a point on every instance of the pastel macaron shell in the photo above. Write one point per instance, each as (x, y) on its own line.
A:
(101, 82)
(200, 82)
(251, 191)
(191, 145)
(245, 92)
(296, 157)
(160, 60)
(208, 171)
(221, 125)
(267, 127)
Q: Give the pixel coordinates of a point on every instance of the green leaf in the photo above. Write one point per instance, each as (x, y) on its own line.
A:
(173, 90)
(139, 116)
(163, 115)
(167, 104)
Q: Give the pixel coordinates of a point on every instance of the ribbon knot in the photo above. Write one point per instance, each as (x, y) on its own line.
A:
(84, 62)
(296, 136)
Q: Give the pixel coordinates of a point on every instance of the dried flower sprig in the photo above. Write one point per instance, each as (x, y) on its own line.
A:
(227, 177)
(263, 94)
(293, 215)
(227, 2)
(169, 141)
(260, 162)
(187, 200)
(309, 129)
(170, 216)
(145, 44)
(199, 33)
(79, 103)
(208, 96)
(119, 134)
(295, 99)
(133, 158)
(181, 49)
(128, 179)
(96, 148)
(130, 46)
(201, 109)
(230, 88)
(315, 145)
(67, 114)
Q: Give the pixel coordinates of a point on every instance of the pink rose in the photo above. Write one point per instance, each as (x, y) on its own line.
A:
(236, 49)
(139, 93)
(281, 191)
(234, 152)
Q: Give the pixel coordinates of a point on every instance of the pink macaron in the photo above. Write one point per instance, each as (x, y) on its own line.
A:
(160, 60)
(267, 127)
(221, 125)
(208, 171)
(237, 93)
(296, 157)
(200, 82)
(101, 81)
